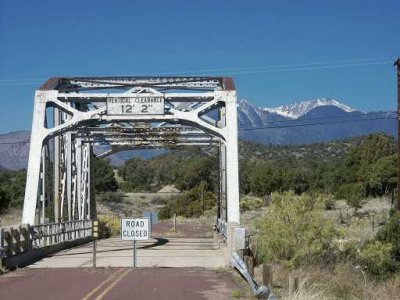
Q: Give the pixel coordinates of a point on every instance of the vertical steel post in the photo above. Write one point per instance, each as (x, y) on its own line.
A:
(175, 222)
(68, 162)
(202, 195)
(43, 196)
(134, 254)
(94, 252)
(95, 235)
(57, 154)
(222, 171)
(232, 159)
(84, 179)
(397, 64)
(88, 195)
(218, 192)
(35, 153)
(78, 183)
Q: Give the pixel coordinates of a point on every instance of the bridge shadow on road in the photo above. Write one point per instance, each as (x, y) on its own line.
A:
(159, 242)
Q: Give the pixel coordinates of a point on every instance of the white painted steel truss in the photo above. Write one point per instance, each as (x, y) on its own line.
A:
(71, 115)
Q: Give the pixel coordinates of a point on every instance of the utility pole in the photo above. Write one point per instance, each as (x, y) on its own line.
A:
(397, 64)
(202, 186)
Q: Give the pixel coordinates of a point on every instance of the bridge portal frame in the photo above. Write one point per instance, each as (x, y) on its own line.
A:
(80, 119)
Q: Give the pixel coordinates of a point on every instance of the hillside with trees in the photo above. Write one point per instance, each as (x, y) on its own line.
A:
(12, 189)
(350, 169)
(324, 218)
(367, 163)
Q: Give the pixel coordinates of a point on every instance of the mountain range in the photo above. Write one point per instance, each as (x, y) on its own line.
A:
(312, 121)
(318, 120)
(14, 150)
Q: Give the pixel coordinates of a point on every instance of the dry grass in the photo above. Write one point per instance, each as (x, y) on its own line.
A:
(133, 204)
(12, 217)
(309, 291)
(389, 290)
(344, 282)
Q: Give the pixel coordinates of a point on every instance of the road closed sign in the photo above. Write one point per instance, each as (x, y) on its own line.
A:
(135, 229)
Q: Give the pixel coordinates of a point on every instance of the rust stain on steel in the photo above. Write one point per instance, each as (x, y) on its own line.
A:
(51, 84)
(228, 84)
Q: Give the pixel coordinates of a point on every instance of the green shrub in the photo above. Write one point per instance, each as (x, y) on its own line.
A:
(12, 189)
(390, 233)
(329, 202)
(250, 204)
(4, 201)
(295, 232)
(137, 172)
(236, 294)
(377, 260)
(188, 204)
(158, 200)
(381, 257)
(126, 186)
(353, 193)
(110, 197)
(109, 226)
(103, 175)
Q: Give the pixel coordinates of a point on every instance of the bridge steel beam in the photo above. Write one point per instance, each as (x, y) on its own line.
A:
(232, 166)
(82, 119)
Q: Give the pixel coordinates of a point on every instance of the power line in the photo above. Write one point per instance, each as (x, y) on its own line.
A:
(311, 68)
(247, 70)
(13, 143)
(366, 60)
(22, 79)
(319, 118)
(312, 124)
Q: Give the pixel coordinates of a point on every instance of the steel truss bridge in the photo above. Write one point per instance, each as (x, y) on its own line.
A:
(73, 114)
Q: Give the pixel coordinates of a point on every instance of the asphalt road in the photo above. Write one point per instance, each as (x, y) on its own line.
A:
(117, 283)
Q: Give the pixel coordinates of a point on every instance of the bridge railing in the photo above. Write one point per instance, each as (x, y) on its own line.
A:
(222, 227)
(18, 239)
(14, 240)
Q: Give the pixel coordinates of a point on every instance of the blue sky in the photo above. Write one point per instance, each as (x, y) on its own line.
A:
(40, 39)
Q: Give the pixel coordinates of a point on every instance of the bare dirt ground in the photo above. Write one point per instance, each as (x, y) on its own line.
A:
(119, 283)
(184, 228)
(12, 217)
(134, 204)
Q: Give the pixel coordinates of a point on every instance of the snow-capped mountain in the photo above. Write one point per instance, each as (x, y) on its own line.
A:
(311, 121)
(299, 109)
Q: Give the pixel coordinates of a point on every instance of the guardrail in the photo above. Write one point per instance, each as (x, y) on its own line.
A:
(22, 238)
(55, 233)
(222, 227)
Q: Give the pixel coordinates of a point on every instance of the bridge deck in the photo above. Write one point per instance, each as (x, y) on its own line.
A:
(156, 252)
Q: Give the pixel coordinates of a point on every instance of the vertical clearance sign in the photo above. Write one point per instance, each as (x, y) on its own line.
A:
(135, 230)
(135, 104)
